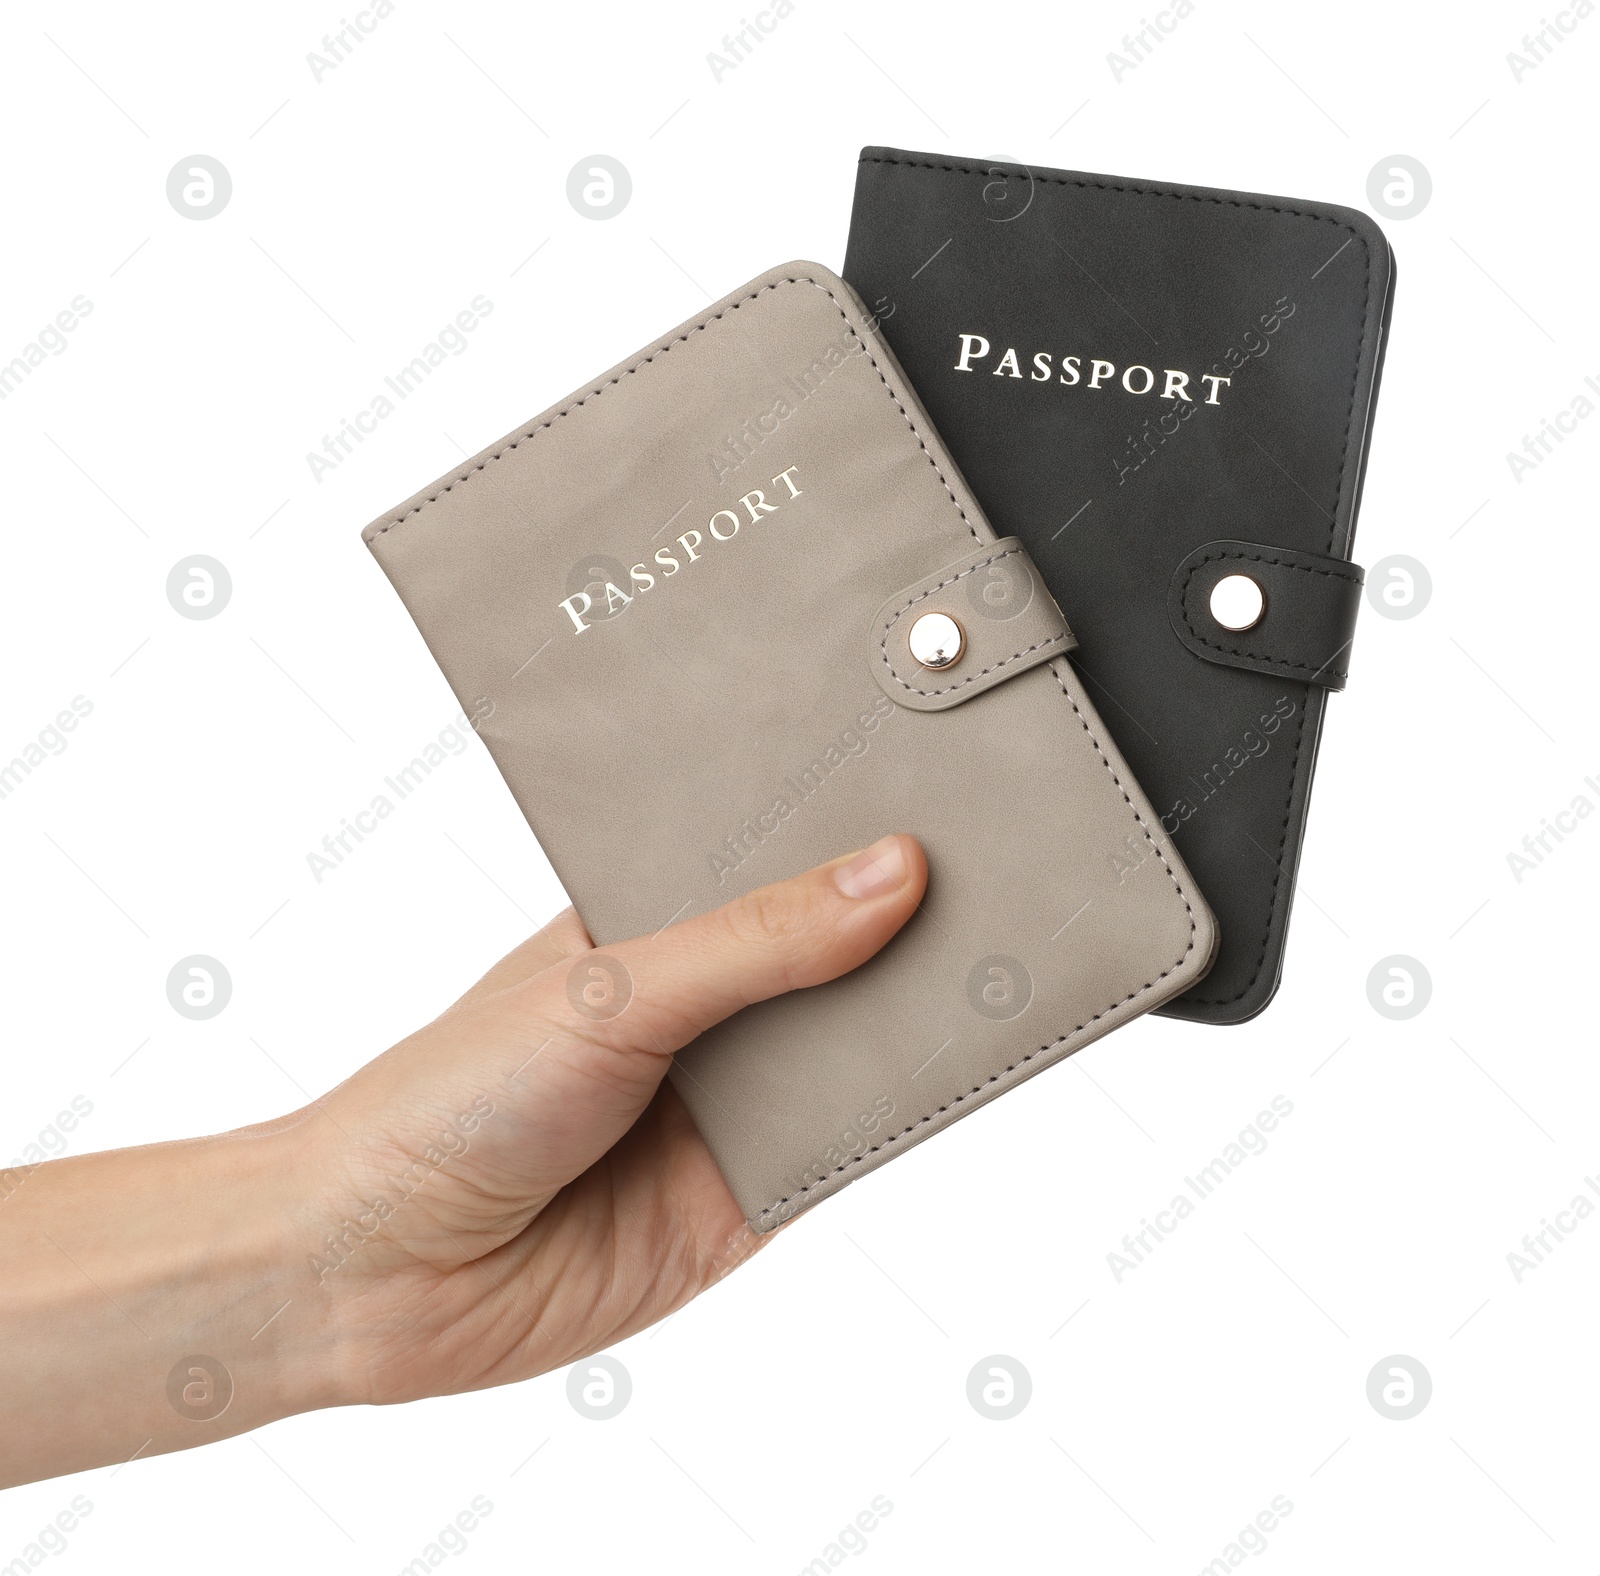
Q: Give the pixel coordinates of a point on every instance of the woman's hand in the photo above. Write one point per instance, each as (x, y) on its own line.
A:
(505, 1191)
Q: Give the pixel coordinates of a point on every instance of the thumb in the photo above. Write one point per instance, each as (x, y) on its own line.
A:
(804, 931)
(618, 1013)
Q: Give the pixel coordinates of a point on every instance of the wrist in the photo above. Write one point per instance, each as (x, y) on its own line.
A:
(158, 1298)
(271, 1322)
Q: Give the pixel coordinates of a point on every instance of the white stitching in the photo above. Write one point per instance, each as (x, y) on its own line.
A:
(972, 678)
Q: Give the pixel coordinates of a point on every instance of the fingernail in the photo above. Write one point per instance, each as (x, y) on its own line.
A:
(874, 870)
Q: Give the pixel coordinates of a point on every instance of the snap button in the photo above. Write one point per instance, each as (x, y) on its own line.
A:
(1237, 602)
(936, 640)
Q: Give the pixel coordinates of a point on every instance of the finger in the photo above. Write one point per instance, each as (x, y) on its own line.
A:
(626, 1008)
(564, 937)
(779, 938)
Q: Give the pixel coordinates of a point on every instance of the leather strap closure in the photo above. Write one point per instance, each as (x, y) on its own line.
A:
(1009, 623)
(1307, 624)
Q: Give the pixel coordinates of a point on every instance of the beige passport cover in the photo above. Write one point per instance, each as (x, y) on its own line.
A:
(687, 591)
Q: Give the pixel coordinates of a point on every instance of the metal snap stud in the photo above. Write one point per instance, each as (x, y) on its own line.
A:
(937, 640)
(1238, 602)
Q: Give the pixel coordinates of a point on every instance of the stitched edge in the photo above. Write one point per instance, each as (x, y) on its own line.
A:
(1238, 651)
(1294, 768)
(956, 505)
(1127, 187)
(1061, 1039)
(972, 678)
(1277, 881)
(1367, 328)
(528, 433)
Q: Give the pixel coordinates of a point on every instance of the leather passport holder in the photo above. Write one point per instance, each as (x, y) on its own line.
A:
(679, 603)
(1157, 389)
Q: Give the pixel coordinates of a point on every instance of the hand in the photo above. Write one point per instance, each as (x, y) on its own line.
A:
(505, 1191)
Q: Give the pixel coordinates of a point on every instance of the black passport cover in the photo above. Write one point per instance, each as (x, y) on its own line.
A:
(1112, 487)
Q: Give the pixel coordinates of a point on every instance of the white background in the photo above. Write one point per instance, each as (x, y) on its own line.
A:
(370, 207)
